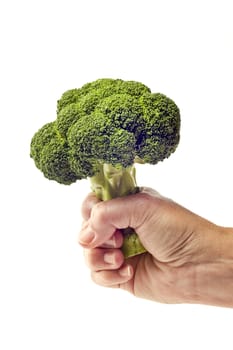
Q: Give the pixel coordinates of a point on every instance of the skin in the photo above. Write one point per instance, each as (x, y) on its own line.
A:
(188, 259)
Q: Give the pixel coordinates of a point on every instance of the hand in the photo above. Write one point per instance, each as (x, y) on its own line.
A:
(177, 242)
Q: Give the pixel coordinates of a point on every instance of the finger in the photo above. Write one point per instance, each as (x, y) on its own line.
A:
(87, 236)
(113, 278)
(88, 204)
(103, 259)
(115, 241)
(106, 217)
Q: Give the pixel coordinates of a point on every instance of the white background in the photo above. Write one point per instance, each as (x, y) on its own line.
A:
(181, 48)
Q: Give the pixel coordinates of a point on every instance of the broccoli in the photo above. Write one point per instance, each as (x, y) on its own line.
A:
(102, 129)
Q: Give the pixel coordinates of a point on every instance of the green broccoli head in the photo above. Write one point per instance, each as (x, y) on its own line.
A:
(106, 121)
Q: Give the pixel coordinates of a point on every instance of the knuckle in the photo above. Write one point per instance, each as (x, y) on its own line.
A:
(93, 277)
(97, 278)
(87, 258)
(88, 204)
(99, 213)
(91, 258)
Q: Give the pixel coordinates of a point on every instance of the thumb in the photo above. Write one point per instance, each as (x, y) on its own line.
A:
(109, 216)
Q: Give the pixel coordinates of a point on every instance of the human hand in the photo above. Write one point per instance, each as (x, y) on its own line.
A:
(176, 240)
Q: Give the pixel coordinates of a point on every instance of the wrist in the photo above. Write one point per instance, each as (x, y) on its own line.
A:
(212, 278)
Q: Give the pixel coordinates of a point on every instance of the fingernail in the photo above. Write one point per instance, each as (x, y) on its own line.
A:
(109, 258)
(125, 271)
(86, 237)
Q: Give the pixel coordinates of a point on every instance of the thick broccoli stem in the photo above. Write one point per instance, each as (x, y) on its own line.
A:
(111, 182)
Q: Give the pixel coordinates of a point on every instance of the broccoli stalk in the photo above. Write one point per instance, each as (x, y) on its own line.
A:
(112, 182)
(101, 131)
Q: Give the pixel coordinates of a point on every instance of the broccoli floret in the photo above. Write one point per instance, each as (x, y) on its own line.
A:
(41, 138)
(101, 130)
(68, 116)
(51, 155)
